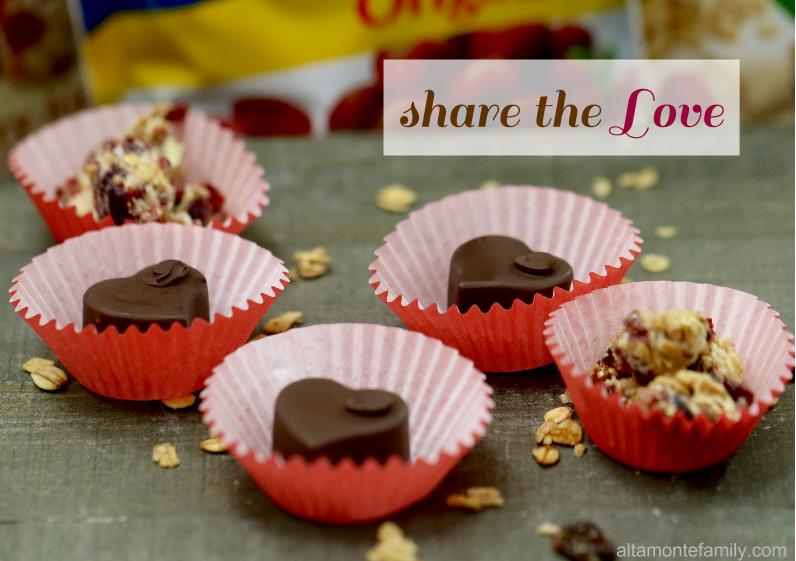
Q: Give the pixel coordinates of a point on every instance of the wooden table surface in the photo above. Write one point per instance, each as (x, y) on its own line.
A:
(77, 482)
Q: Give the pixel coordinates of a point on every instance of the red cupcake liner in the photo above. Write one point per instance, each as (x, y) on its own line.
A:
(243, 281)
(410, 273)
(579, 332)
(449, 408)
(45, 159)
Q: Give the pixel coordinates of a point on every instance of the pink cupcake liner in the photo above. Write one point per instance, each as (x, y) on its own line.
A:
(449, 408)
(579, 332)
(410, 273)
(243, 281)
(44, 160)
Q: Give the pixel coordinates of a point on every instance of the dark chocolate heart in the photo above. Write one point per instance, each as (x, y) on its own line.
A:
(165, 293)
(317, 417)
(500, 269)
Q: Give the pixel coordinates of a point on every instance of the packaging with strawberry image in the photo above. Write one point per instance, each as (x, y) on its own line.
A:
(314, 69)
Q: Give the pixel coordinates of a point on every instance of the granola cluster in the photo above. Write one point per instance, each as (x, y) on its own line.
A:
(138, 177)
(673, 361)
(558, 428)
(476, 499)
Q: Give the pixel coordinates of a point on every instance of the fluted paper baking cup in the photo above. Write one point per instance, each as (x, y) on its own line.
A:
(449, 408)
(44, 160)
(411, 271)
(579, 332)
(243, 281)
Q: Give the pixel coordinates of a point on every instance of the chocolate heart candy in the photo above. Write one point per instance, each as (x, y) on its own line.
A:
(499, 269)
(165, 293)
(317, 417)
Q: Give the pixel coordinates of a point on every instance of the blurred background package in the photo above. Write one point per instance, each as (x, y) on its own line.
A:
(310, 66)
(39, 79)
(297, 67)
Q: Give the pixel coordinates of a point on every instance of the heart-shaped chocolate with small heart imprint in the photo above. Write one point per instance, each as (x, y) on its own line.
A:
(168, 292)
(500, 269)
(316, 417)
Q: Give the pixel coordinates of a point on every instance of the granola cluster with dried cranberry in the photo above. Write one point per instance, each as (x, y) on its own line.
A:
(673, 361)
(138, 177)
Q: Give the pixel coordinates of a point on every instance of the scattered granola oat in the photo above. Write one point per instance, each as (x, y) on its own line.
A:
(545, 456)
(312, 263)
(568, 432)
(558, 414)
(490, 184)
(36, 363)
(626, 180)
(564, 398)
(647, 178)
(601, 187)
(212, 445)
(45, 374)
(579, 449)
(666, 232)
(643, 179)
(283, 322)
(165, 455)
(395, 198)
(548, 529)
(183, 402)
(476, 498)
(655, 263)
(392, 545)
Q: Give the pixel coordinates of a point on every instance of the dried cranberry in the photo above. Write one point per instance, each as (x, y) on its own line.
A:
(61, 64)
(132, 144)
(260, 116)
(569, 37)
(609, 360)
(620, 366)
(359, 109)
(584, 541)
(176, 113)
(111, 198)
(643, 378)
(68, 190)
(635, 327)
(203, 209)
(711, 330)
(165, 164)
(22, 30)
(216, 198)
(737, 391)
(200, 210)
